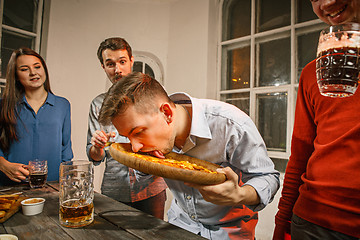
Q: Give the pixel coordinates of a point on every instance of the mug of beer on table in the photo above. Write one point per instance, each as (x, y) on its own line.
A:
(76, 193)
(38, 171)
(337, 63)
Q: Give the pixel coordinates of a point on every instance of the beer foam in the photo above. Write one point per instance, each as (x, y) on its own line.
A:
(330, 41)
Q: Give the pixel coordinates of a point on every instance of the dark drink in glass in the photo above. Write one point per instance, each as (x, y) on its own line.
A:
(37, 179)
(37, 173)
(337, 63)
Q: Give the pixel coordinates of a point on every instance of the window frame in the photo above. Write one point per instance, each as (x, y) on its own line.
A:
(38, 35)
(252, 40)
(152, 61)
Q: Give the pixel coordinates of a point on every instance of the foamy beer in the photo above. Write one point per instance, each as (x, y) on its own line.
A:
(76, 193)
(337, 63)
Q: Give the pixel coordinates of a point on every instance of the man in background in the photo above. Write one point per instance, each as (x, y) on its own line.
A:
(119, 183)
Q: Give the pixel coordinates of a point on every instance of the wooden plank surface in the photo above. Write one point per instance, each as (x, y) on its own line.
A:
(15, 207)
(113, 220)
(47, 226)
(139, 223)
(136, 222)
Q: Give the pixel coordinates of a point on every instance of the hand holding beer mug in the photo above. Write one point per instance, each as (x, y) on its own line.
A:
(337, 63)
(76, 193)
(37, 173)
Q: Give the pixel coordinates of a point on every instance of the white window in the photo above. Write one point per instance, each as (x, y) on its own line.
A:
(263, 48)
(21, 26)
(149, 64)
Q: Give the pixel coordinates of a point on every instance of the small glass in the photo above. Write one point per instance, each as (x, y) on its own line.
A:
(38, 171)
(76, 193)
(337, 63)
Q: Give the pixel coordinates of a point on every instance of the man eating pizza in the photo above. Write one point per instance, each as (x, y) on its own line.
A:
(140, 109)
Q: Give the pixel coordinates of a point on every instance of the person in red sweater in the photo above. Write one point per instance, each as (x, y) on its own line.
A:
(321, 192)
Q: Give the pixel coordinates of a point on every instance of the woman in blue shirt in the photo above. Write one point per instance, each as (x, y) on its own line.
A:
(34, 123)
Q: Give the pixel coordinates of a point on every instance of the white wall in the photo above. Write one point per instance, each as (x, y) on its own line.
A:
(187, 47)
(175, 31)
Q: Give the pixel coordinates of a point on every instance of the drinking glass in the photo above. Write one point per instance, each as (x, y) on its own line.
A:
(76, 193)
(38, 171)
(337, 63)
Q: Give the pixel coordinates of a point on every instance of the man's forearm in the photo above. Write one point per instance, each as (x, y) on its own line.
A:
(96, 154)
(3, 161)
(249, 195)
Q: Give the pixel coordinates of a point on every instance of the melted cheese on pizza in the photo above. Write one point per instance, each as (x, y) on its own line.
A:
(172, 163)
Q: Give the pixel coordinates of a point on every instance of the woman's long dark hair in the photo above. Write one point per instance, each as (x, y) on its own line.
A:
(13, 93)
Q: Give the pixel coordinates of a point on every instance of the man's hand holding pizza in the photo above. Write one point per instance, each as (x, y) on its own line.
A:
(228, 193)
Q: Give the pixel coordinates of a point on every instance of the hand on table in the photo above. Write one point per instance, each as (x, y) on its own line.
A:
(228, 193)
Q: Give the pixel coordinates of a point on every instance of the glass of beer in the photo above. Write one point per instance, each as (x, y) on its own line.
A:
(76, 193)
(38, 171)
(337, 63)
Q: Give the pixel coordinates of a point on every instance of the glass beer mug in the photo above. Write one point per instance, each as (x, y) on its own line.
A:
(38, 171)
(337, 63)
(76, 193)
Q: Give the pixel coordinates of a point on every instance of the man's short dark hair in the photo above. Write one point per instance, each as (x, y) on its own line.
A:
(137, 89)
(114, 43)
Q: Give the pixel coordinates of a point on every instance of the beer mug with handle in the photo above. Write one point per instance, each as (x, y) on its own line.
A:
(337, 63)
(76, 193)
(38, 170)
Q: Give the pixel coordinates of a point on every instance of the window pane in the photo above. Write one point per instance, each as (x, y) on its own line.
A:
(236, 19)
(272, 119)
(21, 14)
(149, 71)
(238, 69)
(307, 45)
(240, 100)
(280, 164)
(304, 11)
(273, 63)
(2, 88)
(137, 67)
(270, 15)
(10, 42)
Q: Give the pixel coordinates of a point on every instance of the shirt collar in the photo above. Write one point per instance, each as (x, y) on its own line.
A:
(49, 100)
(199, 124)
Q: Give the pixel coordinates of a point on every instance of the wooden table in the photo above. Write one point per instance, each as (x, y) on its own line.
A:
(113, 220)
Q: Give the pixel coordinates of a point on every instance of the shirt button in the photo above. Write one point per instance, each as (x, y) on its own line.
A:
(192, 217)
(188, 197)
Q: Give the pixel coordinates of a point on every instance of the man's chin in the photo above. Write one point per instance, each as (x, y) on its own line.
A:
(116, 79)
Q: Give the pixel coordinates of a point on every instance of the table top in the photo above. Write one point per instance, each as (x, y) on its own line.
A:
(112, 220)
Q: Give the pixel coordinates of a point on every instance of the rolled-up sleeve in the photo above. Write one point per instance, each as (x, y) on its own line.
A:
(257, 169)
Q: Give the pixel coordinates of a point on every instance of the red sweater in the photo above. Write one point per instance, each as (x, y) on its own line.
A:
(322, 182)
